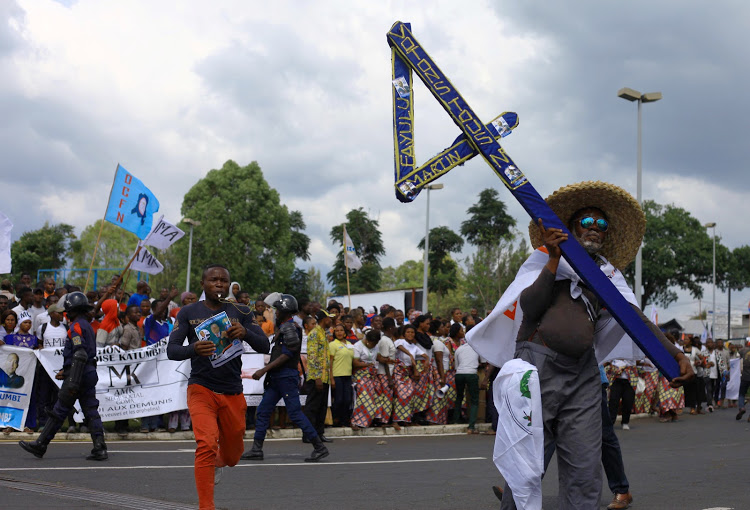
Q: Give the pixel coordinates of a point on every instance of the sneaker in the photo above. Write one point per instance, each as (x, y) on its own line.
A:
(625, 426)
(84, 429)
(71, 429)
(739, 415)
(710, 409)
(218, 472)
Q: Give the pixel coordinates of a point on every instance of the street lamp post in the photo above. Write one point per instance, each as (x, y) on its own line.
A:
(649, 97)
(712, 226)
(192, 223)
(427, 245)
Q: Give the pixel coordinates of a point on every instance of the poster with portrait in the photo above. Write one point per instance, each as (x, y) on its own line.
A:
(214, 329)
(17, 368)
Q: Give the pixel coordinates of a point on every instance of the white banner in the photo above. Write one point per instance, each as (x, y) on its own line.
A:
(146, 262)
(733, 386)
(163, 235)
(350, 253)
(5, 227)
(141, 382)
(132, 384)
(17, 368)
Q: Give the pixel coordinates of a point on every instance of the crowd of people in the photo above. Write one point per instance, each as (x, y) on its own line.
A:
(386, 367)
(381, 367)
(638, 387)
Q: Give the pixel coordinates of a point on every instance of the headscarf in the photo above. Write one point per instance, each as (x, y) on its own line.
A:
(231, 296)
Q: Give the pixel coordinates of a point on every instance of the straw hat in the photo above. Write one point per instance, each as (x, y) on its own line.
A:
(627, 222)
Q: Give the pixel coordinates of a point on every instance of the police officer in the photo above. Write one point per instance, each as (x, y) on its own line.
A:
(282, 380)
(79, 369)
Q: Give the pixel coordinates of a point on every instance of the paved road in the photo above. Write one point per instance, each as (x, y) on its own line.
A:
(695, 464)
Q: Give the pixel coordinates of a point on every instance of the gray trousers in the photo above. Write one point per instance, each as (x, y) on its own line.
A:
(572, 414)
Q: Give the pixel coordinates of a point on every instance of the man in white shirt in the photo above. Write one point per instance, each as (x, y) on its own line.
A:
(467, 364)
(37, 304)
(52, 333)
(25, 298)
(43, 317)
(711, 375)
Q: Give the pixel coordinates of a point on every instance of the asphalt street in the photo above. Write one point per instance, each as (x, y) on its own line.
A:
(697, 463)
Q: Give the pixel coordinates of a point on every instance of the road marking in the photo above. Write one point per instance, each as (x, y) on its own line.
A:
(179, 450)
(251, 465)
(719, 508)
(110, 499)
(112, 440)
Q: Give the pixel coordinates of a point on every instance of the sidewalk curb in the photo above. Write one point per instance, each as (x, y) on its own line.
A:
(295, 433)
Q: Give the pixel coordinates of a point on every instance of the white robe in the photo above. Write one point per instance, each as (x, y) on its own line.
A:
(519, 442)
(495, 337)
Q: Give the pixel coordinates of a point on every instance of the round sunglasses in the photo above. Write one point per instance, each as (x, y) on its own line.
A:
(589, 222)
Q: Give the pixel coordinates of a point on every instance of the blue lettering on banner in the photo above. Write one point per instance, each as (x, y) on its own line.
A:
(11, 417)
(407, 56)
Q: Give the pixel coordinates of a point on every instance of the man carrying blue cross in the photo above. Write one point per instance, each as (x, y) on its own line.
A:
(559, 315)
(549, 317)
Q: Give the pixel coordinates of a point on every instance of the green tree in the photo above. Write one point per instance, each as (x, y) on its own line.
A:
(316, 286)
(45, 248)
(300, 242)
(243, 226)
(115, 248)
(170, 276)
(368, 244)
(443, 270)
(299, 284)
(409, 274)
(491, 269)
(732, 268)
(677, 252)
(488, 221)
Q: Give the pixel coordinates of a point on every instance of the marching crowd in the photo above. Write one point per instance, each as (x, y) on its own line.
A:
(384, 368)
(389, 367)
(638, 387)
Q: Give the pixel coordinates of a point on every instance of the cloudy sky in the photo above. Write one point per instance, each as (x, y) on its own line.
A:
(173, 89)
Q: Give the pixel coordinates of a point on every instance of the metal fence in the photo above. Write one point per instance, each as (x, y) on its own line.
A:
(78, 275)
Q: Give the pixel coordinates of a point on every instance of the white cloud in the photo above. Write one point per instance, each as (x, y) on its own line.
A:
(173, 89)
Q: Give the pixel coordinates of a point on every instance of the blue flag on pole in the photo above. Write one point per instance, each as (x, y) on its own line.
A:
(131, 204)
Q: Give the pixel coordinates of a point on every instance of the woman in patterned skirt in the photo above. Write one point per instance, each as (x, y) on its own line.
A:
(670, 400)
(438, 411)
(366, 381)
(403, 374)
(424, 387)
(386, 364)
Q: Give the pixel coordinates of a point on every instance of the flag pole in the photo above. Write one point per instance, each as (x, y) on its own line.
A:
(346, 264)
(101, 227)
(127, 267)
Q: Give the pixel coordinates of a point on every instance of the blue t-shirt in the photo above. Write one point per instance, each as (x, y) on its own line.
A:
(136, 299)
(154, 330)
(20, 340)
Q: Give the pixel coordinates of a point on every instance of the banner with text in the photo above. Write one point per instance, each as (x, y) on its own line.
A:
(17, 368)
(132, 384)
